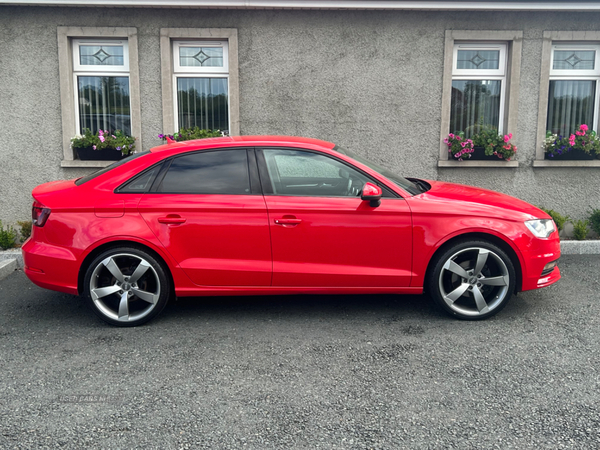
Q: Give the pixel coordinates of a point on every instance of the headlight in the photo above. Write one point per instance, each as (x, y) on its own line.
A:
(541, 228)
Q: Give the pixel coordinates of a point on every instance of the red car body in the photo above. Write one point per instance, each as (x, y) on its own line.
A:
(277, 244)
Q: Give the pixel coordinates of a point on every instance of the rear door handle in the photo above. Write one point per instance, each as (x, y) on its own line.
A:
(172, 219)
(286, 221)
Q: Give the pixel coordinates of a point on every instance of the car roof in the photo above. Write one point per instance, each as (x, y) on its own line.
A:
(198, 144)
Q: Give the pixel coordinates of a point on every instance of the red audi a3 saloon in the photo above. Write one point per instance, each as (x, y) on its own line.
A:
(280, 215)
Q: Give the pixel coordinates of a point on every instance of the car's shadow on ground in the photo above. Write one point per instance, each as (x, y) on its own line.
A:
(326, 307)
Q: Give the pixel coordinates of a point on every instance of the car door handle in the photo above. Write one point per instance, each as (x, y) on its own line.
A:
(288, 221)
(171, 219)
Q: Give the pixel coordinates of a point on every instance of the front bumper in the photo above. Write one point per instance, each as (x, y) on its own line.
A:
(542, 253)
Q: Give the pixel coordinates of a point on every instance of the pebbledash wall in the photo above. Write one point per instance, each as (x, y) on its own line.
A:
(371, 81)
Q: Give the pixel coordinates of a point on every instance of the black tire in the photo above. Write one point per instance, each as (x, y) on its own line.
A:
(455, 286)
(127, 286)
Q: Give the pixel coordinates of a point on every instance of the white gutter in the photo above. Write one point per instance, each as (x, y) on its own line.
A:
(326, 4)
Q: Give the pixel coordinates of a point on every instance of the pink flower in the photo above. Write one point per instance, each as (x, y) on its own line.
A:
(583, 127)
(114, 137)
(579, 133)
(458, 138)
(446, 141)
(462, 144)
(101, 138)
(94, 147)
(451, 136)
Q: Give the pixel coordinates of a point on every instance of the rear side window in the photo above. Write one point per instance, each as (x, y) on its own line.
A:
(215, 172)
(97, 173)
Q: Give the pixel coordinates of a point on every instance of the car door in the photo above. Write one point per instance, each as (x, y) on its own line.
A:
(207, 209)
(322, 233)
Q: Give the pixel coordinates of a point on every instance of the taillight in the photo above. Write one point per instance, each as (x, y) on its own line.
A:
(39, 214)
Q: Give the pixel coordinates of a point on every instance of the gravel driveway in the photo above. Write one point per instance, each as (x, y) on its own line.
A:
(304, 372)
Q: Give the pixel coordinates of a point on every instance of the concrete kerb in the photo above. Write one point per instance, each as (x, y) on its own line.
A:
(567, 247)
(7, 267)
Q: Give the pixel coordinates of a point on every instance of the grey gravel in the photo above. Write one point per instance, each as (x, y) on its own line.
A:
(331, 372)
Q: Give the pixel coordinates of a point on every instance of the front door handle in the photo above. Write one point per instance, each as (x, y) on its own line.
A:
(288, 221)
(172, 219)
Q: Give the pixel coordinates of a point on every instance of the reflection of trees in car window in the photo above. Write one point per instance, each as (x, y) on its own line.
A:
(306, 165)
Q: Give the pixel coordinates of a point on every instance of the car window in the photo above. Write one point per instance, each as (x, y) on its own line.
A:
(211, 172)
(118, 163)
(297, 172)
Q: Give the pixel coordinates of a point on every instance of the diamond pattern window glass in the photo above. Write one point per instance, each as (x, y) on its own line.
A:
(478, 59)
(101, 55)
(574, 60)
(200, 57)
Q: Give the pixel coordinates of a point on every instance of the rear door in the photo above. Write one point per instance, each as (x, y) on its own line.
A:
(208, 212)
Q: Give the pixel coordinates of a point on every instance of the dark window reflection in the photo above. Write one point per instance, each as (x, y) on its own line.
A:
(219, 172)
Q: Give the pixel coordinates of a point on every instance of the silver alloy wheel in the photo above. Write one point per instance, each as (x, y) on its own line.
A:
(474, 281)
(125, 287)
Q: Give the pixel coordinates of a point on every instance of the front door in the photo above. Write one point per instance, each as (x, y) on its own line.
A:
(323, 234)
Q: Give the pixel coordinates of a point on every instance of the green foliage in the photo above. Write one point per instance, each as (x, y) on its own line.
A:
(25, 229)
(104, 139)
(558, 218)
(584, 140)
(594, 220)
(187, 134)
(580, 229)
(8, 237)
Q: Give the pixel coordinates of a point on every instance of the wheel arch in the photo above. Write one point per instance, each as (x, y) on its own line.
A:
(93, 253)
(492, 239)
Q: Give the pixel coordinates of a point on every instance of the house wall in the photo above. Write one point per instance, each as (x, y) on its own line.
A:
(370, 81)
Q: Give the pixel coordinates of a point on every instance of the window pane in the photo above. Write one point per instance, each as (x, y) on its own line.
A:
(104, 104)
(220, 172)
(478, 59)
(574, 60)
(474, 101)
(570, 103)
(203, 102)
(302, 173)
(201, 56)
(101, 55)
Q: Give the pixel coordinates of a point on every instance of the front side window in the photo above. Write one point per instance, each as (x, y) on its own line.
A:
(101, 80)
(201, 84)
(478, 87)
(222, 172)
(573, 88)
(302, 173)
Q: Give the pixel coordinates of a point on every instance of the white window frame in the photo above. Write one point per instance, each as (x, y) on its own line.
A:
(168, 73)
(513, 41)
(479, 73)
(97, 71)
(498, 74)
(78, 67)
(565, 40)
(199, 71)
(579, 75)
(67, 37)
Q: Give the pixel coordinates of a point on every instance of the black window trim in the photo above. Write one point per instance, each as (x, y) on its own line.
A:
(161, 175)
(268, 186)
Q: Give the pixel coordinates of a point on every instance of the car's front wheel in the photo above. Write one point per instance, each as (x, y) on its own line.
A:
(127, 286)
(472, 280)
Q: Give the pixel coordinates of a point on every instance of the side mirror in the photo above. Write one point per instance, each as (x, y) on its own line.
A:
(372, 194)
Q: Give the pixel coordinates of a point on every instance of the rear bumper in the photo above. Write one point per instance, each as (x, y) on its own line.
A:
(50, 266)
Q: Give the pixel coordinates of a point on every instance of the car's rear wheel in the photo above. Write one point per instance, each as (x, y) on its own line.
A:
(127, 286)
(472, 280)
